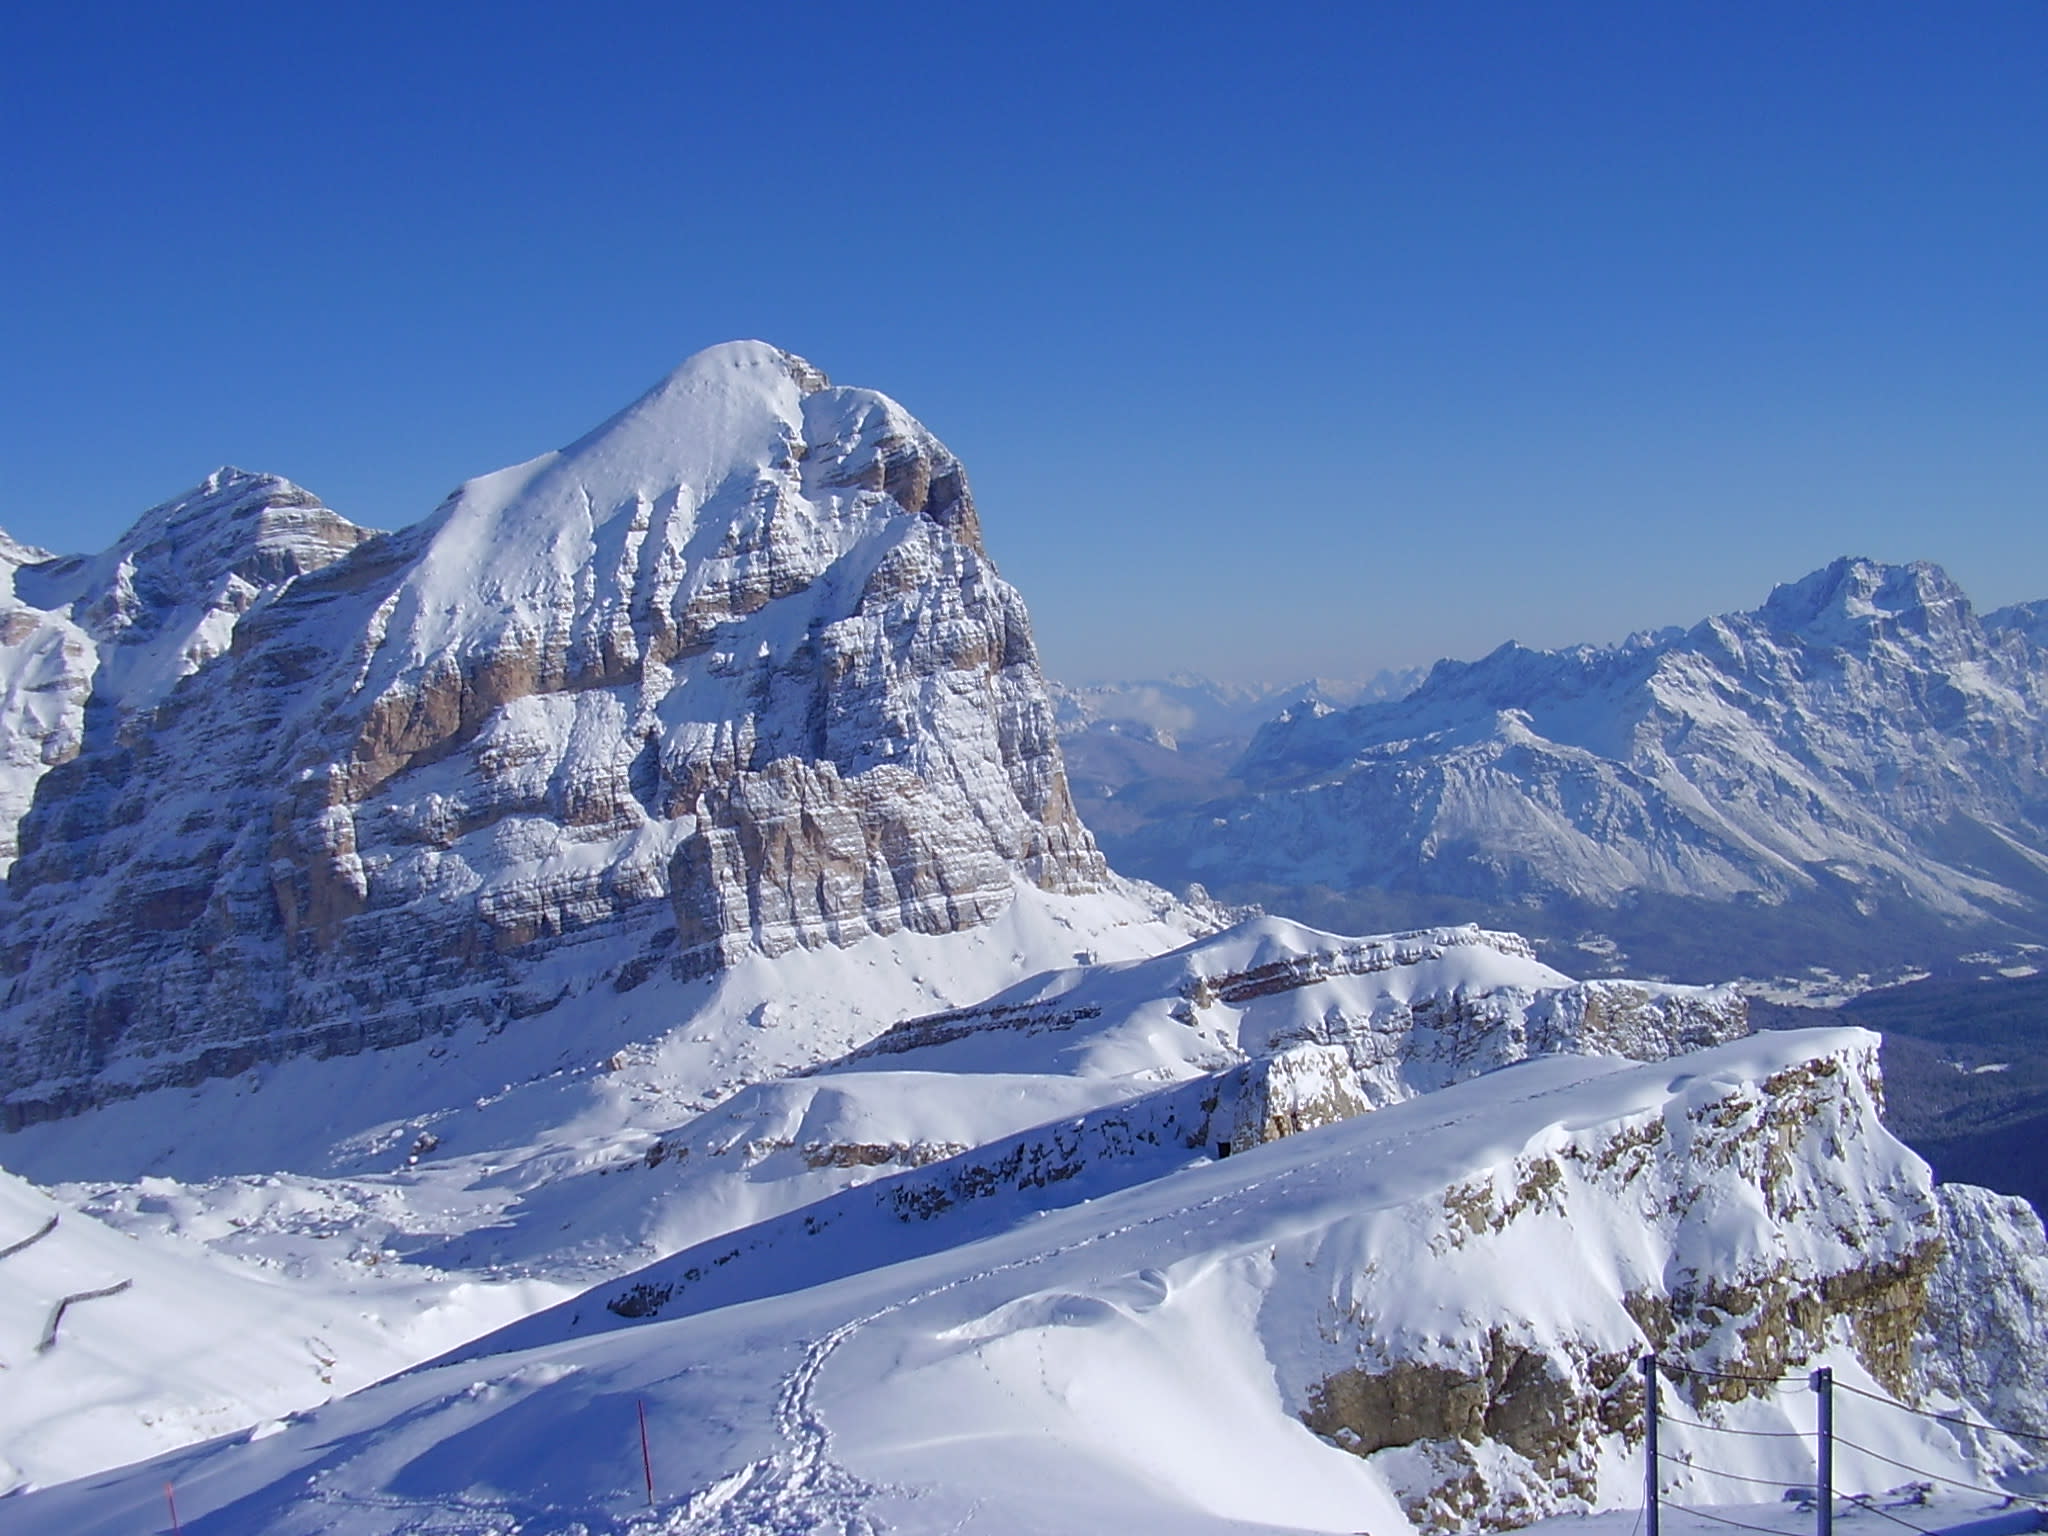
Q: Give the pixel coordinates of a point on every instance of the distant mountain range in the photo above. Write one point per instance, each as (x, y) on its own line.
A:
(1139, 751)
(1852, 775)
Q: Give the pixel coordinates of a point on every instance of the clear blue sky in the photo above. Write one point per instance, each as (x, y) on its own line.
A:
(1276, 339)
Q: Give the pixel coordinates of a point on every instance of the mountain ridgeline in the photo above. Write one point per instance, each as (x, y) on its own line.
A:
(732, 674)
(1854, 774)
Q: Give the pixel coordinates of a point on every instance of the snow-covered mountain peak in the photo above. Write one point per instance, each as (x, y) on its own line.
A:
(730, 675)
(14, 554)
(2028, 620)
(745, 456)
(166, 596)
(1860, 743)
(1851, 601)
(122, 628)
(259, 529)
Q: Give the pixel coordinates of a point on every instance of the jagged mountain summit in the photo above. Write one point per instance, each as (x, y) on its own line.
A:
(110, 636)
(733, 674)
(1861, 761)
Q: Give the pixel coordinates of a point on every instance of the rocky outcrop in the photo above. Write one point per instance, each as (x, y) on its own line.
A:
(1405, 1036)
(1987, 1309)
(1457, 1290)
(103, 641)
(1291, 1091)
(731, 675)
(1835, 1251)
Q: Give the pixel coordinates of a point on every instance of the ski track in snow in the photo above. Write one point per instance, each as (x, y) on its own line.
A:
(802, 1490)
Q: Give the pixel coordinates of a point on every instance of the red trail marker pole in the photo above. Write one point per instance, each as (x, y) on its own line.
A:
(646, 1460)
(171, 1498)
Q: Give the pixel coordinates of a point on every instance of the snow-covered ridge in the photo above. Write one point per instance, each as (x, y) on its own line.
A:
(1116, 1070)
(119, 630)
(1046, 1095)
(1400, 1002)
(1208, 1347)
(603, 1151)
(1861, 743)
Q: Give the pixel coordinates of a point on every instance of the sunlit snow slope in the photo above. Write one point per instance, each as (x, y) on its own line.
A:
(1201, 1352)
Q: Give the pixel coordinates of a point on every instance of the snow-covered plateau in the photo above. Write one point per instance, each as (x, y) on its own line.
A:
(620, 959)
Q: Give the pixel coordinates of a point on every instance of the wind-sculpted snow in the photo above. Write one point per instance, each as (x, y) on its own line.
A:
(731, 675)
(1862, 743)
(164, 1343)
(593, 1157)
(1205, 1347)
(516, 1157)
(1051, 1093)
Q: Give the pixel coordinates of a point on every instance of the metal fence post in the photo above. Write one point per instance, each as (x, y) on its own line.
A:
(1650, 1444)
(1824, 1388)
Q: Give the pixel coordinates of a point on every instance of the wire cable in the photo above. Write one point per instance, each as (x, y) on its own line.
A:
(1934, 1477)
(1687, 1509)
(1724, 1429)
(1943, 1418)
(1761, 1482)
(1757, 1381)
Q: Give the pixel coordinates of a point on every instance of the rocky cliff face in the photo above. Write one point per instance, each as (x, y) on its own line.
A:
(731, 674)
(1986, 1319)
(100, 642)
(1832, 1253)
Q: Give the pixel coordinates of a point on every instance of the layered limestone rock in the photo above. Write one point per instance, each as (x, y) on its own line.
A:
(1436, 1006)
(102, 641)
(732, 674)
(1044, 1076)
(1764, 1227)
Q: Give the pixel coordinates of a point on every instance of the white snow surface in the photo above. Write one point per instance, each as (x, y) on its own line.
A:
(677, 1115)
(194, 1344)
(1136, 1362)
